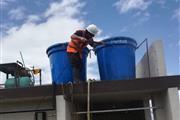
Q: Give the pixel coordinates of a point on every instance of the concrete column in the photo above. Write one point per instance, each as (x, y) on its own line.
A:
(173, 104)
(63, 108)
(169, 101)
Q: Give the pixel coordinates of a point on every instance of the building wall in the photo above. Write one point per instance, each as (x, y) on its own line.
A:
(156, 66)
(51, 115)
(167, 100)
(156, 62)
(25, 104)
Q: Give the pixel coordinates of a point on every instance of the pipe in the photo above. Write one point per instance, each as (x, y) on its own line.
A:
(147, 51)
(117, 110)
(141, 43)
(88, 101)
(40, 78)
(22, 59)
(23, 111)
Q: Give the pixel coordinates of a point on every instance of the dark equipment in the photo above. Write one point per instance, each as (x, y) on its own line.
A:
(17, 75)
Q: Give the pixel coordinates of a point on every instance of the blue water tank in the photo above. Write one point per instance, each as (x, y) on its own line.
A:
(61, 70)
(116, 58)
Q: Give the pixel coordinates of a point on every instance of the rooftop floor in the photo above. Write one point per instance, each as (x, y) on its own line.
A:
(119, 89)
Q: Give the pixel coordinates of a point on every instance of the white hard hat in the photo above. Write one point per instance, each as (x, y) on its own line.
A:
(92, 29)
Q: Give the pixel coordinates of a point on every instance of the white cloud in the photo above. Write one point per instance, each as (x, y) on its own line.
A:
(5, 2)
(141, 20)
(17, 14)
(33, 39)
(124, 6)
(124, 29)
(138, 6)
(92, 67)
(176, 14)
(65, 8)
(127, 5)
(4, 26)
(162, 3)
(33, 18)
(139, 9)
(2, 3)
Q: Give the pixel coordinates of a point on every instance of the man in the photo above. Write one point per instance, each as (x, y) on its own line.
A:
(79, 40)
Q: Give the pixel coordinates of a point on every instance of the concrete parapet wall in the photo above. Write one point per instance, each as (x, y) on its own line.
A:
(156, 62)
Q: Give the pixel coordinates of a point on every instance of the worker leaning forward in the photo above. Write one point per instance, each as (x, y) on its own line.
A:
(79, 40)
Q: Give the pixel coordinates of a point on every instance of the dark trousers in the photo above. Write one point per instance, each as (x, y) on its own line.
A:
(76, 64)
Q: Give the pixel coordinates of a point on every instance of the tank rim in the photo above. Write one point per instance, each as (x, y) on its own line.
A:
(50, 50)
(130, 41)
(53, 46)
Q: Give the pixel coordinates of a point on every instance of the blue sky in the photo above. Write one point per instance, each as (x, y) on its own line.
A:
(37, 24)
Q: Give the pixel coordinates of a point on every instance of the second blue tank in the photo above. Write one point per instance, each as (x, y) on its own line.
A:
(116, 58)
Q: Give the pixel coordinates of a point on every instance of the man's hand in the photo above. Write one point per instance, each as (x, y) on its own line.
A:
(102, 42)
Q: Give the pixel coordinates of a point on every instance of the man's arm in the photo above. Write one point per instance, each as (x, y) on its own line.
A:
(78, 35)
(93, 43)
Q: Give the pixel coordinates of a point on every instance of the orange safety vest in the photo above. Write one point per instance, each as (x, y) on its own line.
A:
(76, 45)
